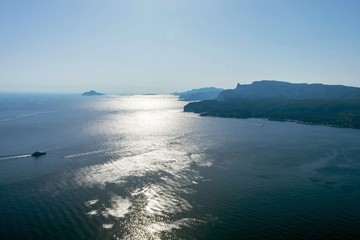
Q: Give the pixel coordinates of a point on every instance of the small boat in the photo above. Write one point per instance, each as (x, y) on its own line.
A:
(37, 153)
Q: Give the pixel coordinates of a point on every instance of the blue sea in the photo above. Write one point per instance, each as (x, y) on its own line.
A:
(138, 167)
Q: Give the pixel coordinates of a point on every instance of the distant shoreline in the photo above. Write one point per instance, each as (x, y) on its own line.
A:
(332, 113)
(278, 120)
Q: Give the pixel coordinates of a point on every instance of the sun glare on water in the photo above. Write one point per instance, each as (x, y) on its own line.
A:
(149, 165)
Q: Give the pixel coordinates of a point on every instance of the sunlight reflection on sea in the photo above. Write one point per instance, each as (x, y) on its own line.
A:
(150, 149)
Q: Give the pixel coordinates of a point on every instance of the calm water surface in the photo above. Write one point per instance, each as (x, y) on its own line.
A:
(139, 168)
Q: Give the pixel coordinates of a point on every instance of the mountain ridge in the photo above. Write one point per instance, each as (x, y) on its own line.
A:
(330, 105)
(273, 89)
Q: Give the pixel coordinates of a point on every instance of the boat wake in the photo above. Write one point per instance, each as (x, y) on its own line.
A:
(14, 156)
(87, 153)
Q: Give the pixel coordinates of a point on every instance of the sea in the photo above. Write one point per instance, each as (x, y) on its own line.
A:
(138, 167)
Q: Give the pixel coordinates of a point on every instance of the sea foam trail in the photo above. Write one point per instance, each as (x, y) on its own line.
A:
(25, 115)
(88, 153)
(14, 156)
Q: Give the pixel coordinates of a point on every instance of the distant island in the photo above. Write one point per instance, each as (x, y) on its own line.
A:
(207, 93)
(92, 93)
(331, 105)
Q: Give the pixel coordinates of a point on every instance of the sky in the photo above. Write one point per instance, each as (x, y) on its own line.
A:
(162, 46)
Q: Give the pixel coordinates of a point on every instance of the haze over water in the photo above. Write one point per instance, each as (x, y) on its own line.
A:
(138, 167)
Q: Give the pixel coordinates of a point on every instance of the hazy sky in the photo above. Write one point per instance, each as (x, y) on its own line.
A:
(167, 45)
